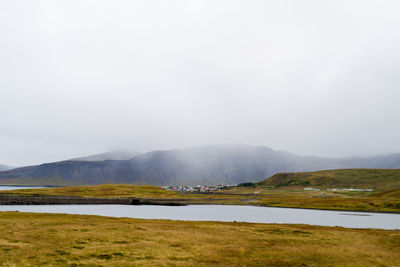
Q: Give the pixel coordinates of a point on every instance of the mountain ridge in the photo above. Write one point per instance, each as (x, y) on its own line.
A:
(217, 164)
(111, 155)
(4, 167)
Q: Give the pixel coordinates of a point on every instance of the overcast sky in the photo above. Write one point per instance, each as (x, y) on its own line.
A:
(310, 77)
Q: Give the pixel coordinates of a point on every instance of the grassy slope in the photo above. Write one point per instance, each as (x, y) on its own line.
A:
(71, 240)
(378, 179)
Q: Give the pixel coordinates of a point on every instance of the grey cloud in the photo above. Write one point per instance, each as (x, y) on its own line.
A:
(310, 77)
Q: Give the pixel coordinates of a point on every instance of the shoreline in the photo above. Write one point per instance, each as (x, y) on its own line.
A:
(9, 199)
(327, 209)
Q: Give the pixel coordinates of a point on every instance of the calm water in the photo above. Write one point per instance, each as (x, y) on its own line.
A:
(226, 213)
(6, 187)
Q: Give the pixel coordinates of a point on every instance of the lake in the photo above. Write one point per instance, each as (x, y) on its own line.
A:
(225, 213)
(16, 187)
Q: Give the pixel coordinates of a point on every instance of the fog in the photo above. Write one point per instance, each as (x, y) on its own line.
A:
(310, 77)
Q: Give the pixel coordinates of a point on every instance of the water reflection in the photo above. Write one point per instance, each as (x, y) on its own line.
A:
(225, 213)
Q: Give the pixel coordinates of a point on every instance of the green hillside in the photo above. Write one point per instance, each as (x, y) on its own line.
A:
(378, 179)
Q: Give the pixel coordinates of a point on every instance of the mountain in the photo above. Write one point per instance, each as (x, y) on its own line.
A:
(112, 155)
(381, 179)
(200, 165)
(5, 167)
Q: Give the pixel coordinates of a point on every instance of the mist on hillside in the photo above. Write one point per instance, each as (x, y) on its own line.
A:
(212, 165)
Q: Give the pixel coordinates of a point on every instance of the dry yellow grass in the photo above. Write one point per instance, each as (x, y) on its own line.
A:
(378, 179)
(133, 191)
(29, 239)
(104, 190)
(296, 197)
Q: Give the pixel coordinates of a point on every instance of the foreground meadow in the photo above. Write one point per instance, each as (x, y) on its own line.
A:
(29, 239)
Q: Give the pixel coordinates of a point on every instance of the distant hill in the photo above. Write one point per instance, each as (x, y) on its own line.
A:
(348, 178)
(112, 155)
(5, 167)
(201, 165)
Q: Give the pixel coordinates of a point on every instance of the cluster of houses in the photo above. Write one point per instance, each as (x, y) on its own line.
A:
(197, 188)
(340, 189)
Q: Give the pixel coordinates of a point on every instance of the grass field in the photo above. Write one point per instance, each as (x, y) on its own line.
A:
(106, 190)
(29, 239)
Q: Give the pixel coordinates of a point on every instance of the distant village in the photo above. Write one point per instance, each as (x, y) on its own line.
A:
(197, 188)
(207, 188)
(341, 189)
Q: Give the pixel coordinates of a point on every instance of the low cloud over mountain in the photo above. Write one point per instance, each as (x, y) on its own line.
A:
(5, 167)
(201, 165)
